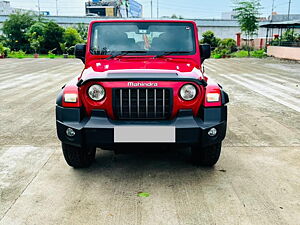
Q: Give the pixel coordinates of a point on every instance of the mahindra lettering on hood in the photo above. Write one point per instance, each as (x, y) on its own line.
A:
(142, 84)
(139, 84)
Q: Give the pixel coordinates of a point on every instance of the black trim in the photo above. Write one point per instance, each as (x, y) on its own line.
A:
(98, 130)
(169, 113)
(199, 82)
(225, 97)
(68, 114)
(59, 98)
(80, 51)
(213, 114)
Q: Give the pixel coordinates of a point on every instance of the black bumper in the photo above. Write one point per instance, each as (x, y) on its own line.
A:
(98, 130)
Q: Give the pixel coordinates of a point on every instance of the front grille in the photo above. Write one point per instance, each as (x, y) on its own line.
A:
(142, 103)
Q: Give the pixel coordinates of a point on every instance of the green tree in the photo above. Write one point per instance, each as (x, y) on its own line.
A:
(35, 44)
(247, 13)
(1, 49)
(35, 36)
(208, 37)
(225, 47)
(15, 29)
(228, 43)
(65, 49)
(82, 29)
(2, 39)
(174, 16)
(71, 37)
(36, 30)
(4, 50)
(289, 36)
(53, 35)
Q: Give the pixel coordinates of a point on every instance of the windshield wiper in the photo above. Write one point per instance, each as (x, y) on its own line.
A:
(170, 53)
(123, 53)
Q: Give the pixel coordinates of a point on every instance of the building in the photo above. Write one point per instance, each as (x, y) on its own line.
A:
(114, 8)
(221, 28)
(6, 9)
(232, 15)
(283, 17)
(228, 15)
(101, 8)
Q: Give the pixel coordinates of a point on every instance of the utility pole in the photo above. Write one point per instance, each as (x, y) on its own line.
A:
(289, 10)
(151, 9)
(56, 7)
(39, 7)
(272, 10)
(157, 9)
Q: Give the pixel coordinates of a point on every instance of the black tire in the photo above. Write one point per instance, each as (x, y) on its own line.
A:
(207, 156)
(78, 157)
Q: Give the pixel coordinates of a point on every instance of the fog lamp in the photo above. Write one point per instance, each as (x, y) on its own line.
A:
(212, 132)
(70, 132)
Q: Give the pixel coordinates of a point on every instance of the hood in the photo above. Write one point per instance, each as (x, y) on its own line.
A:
(181, 65)
(148, 68)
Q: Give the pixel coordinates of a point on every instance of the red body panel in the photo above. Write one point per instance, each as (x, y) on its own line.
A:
(92, 59)
(212, 88)
(183, 65)
(106, 103)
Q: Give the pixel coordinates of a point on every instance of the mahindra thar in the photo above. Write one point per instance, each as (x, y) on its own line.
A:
(143, 83)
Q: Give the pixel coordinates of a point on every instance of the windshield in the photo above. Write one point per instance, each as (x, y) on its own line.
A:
(143, 38)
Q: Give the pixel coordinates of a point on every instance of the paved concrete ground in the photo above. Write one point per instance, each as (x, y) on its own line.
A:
(257, 180)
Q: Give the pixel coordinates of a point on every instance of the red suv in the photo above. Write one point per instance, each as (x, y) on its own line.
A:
(142, 83)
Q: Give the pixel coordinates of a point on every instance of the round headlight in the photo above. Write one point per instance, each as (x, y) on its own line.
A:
(96, 92)
(188, 92)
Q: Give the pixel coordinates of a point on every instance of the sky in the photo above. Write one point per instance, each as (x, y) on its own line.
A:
(194, 9)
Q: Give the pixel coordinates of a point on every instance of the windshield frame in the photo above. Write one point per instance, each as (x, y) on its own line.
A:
(148, 52)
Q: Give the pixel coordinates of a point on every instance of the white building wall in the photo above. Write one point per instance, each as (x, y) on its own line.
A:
(221, 28)
(228, 32)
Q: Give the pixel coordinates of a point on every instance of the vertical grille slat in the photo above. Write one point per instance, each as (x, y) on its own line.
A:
(164, 103)
(155, 103)
(129, 102)
(146, 102)
(121, 102)
(142, 103)
(138, 102)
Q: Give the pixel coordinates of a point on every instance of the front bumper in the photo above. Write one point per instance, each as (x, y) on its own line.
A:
(98, 130)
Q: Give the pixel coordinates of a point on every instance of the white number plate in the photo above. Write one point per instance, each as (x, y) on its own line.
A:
(144, 134)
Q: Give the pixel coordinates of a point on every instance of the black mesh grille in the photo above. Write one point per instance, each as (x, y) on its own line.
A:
(142, 103)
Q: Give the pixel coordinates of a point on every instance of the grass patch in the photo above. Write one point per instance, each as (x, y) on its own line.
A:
(143, 194)
(240, 54)
(16, 55)
(254, 54)
(217, 56)
(258, 54)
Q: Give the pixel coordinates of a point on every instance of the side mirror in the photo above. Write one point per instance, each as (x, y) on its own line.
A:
(80, 51)
(205, 52)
